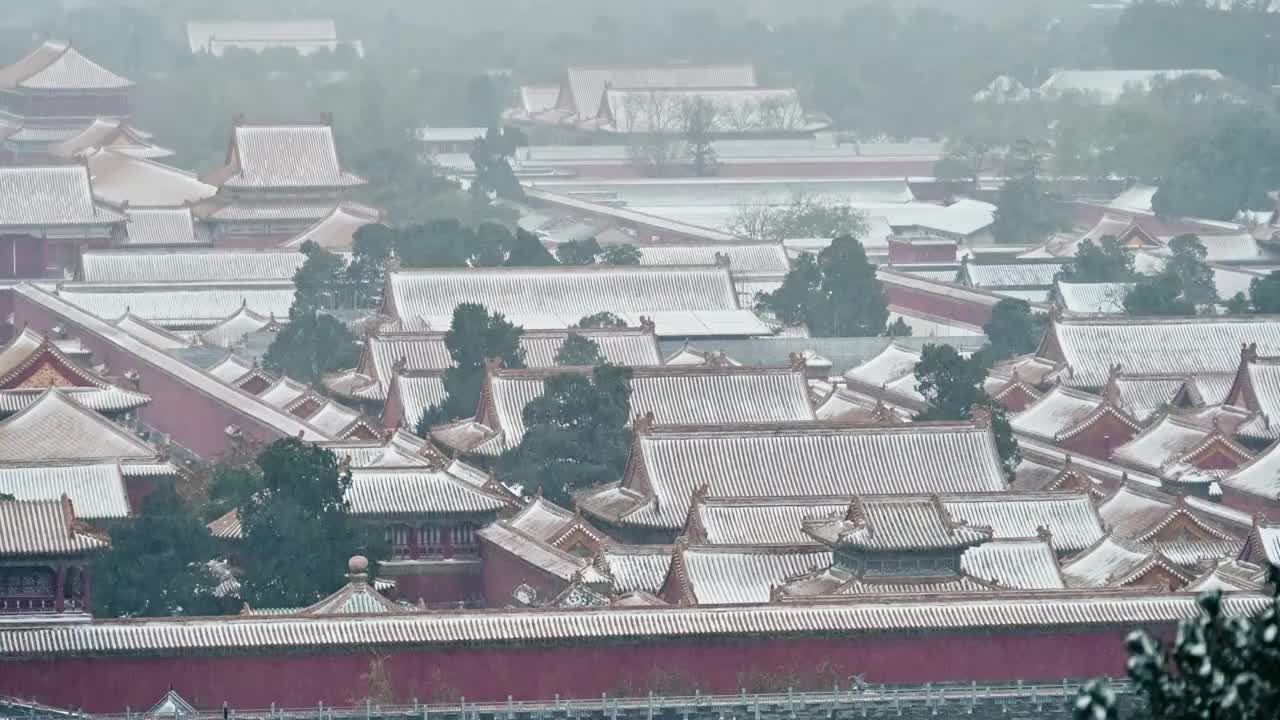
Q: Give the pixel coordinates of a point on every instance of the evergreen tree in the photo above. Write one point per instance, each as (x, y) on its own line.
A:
(1159, 295)
(624, 254)
(491, 155)
(1012, 330)
(311, 345)
(578, 252)
(898, 328)
(320, 283)
(1264, 293)
(576, 435)
(1024, 211)
(474, 336)
(298, 530)
(836, 294)
(1106, 261)
(1187, 261)
(600, 320)
(1219, 667)
(953, 386)
(579, 351)
(157, 564)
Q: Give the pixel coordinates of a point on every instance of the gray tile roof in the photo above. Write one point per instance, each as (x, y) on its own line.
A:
(586, 85)
(287, 156)
(1004, 610)
(697, 301)
(163, 226)
(416, 491)
(895, 523)
(796, 459)
(58, 66)
(44, 527)
(55, 427)
(196, 305)
(56, 195)
(179, 266)
(96, 489)
(1156, 346)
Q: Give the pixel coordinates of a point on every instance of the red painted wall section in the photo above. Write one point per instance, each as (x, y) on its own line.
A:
(440, 589)
(907, 252)
(950, 308)
(504, 572)
(1101, 438)
(579, 671)
(193, 419)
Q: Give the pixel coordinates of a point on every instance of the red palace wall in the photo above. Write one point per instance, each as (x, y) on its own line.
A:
(907, 252)
(950, 308)
(195, 420)
(296, 679)
(504, 572)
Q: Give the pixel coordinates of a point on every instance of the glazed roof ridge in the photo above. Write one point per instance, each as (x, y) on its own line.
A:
(800, 427)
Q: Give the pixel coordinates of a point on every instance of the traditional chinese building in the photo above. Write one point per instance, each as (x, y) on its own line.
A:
(52, 94)
(47, 215)
(669, 464)
(277, 181)
(46, 557)
(680, 301)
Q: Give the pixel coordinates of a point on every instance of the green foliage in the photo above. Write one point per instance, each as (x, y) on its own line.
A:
(806, 216)
(1184, 285)
(6, 497)
(699, 120)
(474, 336)
(1228, 167)
(1012, 330)
(576, 436)
(1107, 261)
(1238, 304)
(953, 386)
(446, 243)
(1187, 262)
(157, 563)
(321, 282)
(590, 252)
(1159, 295)
(624, 254)
(579, 351)
(491, 155)
(230, 486)
(1264, 293)
(311, 345)
(1220, 666)
(898, 328)
(578, 252)
(1024, 211)
(600, 320)
(836, 294)
(298, 531)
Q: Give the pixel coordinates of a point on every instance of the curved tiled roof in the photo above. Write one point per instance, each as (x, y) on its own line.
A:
(182, 266)
(1091, 347)
(286, 156)
(1027, 564)
(798, 459)
(58, 66)
(44, 527)
(682, 301)
(407, 491)
(739, 258)
(54, 427)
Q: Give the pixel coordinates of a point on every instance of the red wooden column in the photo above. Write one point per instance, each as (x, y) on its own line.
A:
(446, 541)
(59, 588)
(86, 589)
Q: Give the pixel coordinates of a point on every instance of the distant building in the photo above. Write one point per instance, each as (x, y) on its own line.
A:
(46, 558)
(215, 38)
(627, 99)
(1108, 85)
